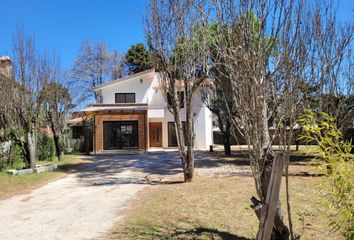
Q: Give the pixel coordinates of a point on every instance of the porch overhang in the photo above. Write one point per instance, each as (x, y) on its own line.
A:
(114, 107)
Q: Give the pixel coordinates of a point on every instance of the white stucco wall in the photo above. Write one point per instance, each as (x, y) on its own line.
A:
(138, 85)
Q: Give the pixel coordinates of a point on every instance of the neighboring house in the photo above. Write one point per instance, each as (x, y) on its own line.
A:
(133, 114)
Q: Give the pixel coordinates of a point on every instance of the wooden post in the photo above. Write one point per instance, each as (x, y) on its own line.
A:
(269, 208)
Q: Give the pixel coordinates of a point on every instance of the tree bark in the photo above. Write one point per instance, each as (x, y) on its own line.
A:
(56, 138)
(280, 230)
(189, 161)
(227, 135)
(58, 149)
(225, 129)
(189, 165)
(31, 150)
(9, 156)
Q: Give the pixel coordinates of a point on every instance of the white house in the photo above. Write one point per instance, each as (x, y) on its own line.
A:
(133, 114)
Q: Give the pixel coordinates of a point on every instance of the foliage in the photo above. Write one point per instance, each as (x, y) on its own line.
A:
(16, 158)
(341, 106)
(337, 191)
(45, 147)
(138, 59)
(56, 102)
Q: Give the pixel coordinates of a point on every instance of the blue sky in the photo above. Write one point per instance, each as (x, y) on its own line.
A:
(65, 24)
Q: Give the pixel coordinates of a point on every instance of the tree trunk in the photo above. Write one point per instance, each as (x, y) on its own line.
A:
(188, 175)
(58, 149)
(9, 156)
(280, 230)
(227, 135)
(31, 150)
(56, 137)
(189, 165)
(225, 130)
(227, 147)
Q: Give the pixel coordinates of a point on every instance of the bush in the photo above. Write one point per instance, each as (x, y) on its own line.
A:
(16, 158)
(337, 190)
(45, 147)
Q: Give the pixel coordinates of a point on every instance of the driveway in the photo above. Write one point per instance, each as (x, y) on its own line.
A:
(85, 204)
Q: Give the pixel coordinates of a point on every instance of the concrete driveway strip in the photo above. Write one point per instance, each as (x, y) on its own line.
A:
(85, 204)
(64, 209)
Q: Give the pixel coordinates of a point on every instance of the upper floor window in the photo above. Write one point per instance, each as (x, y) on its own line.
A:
(125, 97)
(180, 99)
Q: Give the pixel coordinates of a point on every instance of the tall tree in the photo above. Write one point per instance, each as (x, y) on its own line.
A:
(268, 57)
(218, 96)
(180, 54)
(117, 65)
(138, 59)
(56, 102)
(24, 118)
(93, 66)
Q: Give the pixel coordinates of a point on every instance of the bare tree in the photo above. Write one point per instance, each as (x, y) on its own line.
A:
(117, 65)
(26, 115)
(93, 66)
(180, 54)
(56, 101)
(330, 62)
(217, 96)
(259, 51)
(9, 103)
(268, 57)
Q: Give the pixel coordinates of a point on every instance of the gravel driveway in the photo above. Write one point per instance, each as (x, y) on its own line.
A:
(85, 204)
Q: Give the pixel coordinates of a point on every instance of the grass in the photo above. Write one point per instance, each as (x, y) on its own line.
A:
(219, 208)
(11, 185)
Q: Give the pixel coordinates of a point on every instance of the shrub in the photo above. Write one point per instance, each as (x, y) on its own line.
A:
(45, 147)
(337, 190)
(15, 160)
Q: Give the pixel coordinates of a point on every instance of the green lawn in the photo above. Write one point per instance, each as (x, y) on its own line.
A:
(11, 185)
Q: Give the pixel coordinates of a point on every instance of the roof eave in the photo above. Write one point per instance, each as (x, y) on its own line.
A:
(129, 77)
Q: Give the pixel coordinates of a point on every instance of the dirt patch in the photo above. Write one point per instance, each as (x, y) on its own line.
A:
(216, 204)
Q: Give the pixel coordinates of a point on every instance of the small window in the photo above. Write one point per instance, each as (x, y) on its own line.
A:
(180, 98)
(125, 97)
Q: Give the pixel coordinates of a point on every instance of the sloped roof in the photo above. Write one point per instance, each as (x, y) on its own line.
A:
(140, 74)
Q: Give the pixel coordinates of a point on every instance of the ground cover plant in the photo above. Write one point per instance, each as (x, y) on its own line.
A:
(11, 185)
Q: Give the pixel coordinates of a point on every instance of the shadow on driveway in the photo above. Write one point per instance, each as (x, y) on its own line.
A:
(125, 169)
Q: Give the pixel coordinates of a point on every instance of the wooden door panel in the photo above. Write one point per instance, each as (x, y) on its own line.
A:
(155, 134)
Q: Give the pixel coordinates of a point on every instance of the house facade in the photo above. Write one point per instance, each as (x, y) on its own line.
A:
(133, 114)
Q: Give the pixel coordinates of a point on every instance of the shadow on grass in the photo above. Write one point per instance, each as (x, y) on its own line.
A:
(306, 174)
(106, 169)
(195, 233)
(202, 232)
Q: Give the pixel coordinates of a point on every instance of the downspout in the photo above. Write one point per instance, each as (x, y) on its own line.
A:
(94, 134)
(145, 131)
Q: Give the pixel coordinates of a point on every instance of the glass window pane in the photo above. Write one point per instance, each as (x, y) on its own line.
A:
(120, 98)
(125, 97)
(120, 134)
(130, 97)
(172, 138)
